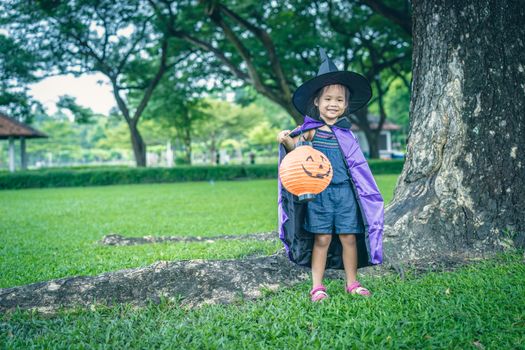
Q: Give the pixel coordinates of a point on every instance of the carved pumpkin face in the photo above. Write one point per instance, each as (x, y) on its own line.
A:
(317, 166)
(305, 171)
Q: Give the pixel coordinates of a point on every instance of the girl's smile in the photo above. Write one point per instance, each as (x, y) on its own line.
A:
(332, 103)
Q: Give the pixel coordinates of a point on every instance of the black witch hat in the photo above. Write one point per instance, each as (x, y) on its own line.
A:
(360, 90)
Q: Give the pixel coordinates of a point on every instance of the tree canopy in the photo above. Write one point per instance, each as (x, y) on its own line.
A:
(208, 46)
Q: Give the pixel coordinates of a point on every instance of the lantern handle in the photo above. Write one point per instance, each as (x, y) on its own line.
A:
(303, 141)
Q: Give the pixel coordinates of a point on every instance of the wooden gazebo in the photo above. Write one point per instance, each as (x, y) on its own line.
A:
(11, 129)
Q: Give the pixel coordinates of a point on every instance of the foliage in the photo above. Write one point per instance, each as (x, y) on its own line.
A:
(176, 108)
(397, 104)
(81, 115)
(95, 177)
(263, 134)
(227, 125)
(103, 139)
(121, 40)
(17, 66)
(114, 136)
(170, 53)
(273, 113)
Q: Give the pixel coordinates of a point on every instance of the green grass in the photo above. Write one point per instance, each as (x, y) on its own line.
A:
(52, 233)
(478, 306)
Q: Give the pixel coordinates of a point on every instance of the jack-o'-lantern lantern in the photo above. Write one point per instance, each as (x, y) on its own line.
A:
(305, 171)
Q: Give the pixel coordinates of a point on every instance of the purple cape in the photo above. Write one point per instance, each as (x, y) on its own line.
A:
(299, 243)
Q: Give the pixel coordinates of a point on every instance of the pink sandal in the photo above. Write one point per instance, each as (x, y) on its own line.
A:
(318, 293)
(356, 288)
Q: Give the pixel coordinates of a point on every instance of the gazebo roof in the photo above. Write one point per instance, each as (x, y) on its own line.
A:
(10, 127)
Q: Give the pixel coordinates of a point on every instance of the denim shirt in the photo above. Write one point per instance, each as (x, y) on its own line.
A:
(326, 142)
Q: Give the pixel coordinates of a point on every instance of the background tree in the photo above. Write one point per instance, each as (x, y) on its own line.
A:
(81, 115)
(103, 139)
(272, 46)
(226, 124)
(113, 38)
(17, 70)
(370, 44)
(462, 188)
(174, 111)
(237, 36)
(178, 101)
(397, 11)
(397, 105)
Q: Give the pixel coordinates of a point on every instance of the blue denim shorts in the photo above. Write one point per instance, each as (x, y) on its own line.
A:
(334, 211)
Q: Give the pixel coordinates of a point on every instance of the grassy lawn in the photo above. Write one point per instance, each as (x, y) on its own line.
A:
(481, 306)
(52, 233)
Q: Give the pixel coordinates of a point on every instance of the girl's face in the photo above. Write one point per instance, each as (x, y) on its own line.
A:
(332, 103)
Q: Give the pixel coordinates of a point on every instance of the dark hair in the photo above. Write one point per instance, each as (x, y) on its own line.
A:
(313, 111)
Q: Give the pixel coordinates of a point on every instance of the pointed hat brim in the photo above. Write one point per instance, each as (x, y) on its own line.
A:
(360, 90)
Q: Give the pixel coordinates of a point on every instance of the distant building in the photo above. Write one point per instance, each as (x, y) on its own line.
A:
(11, 129)
(385, 136)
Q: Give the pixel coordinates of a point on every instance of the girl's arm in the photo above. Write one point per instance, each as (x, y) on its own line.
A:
(289, 142)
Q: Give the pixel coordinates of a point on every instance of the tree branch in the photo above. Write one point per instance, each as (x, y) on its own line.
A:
(154, 81)
(120, 101)
(215, 16)
(400, 18)
(104, 68)
(106, 35)
(132, 87)
(267, 42)
(133, 45)
(401, 76)
(207, 47)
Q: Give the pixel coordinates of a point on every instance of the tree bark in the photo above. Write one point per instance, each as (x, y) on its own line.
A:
(462, 188)
(371, 135)
(187, 145)
(139, 147)
(190, 283)
(137, 143)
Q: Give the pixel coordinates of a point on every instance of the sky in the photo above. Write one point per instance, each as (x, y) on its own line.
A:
(86, 89)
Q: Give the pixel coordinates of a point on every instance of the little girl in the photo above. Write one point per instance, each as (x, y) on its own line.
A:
(342, 227)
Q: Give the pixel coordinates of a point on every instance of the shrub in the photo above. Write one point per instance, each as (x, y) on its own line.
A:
(93, 176)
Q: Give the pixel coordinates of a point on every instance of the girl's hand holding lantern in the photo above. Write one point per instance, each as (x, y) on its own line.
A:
(284, 138)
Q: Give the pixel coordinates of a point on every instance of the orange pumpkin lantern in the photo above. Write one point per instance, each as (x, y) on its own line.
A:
(305, 171)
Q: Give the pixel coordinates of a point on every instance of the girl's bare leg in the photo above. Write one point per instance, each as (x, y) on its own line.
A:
(349, 257)
(319, 253)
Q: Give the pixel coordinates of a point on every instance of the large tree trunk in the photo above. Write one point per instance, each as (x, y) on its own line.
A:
(462, 188)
